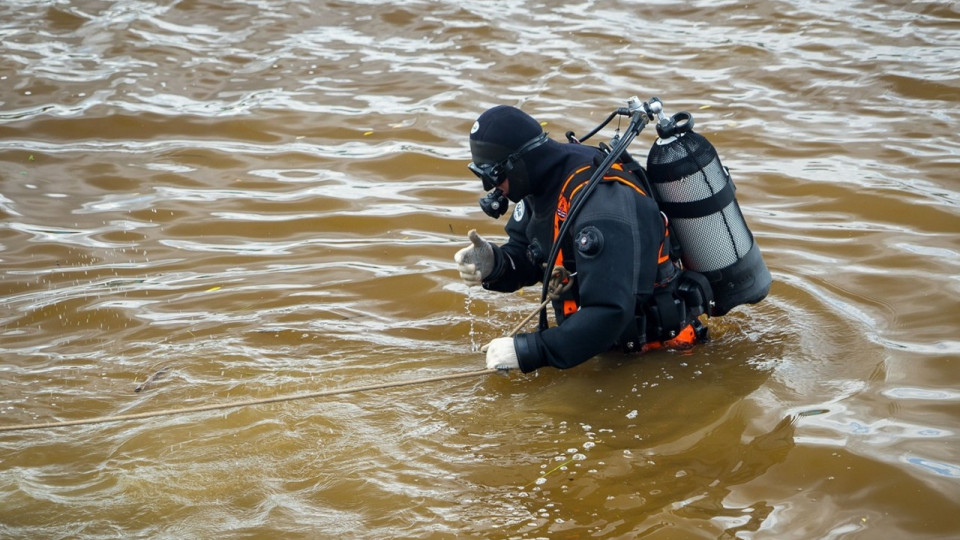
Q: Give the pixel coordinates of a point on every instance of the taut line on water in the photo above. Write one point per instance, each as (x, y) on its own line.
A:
(246, 403)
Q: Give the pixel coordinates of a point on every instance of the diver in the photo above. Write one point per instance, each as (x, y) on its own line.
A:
(627, 290)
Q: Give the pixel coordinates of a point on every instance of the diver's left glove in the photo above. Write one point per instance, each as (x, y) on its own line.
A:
(476, 261)
(501, 354)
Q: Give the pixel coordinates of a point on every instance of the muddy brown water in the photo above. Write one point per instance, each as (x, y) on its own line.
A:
(264, 198)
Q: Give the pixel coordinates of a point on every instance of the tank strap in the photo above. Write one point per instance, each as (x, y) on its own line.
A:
(704, 207)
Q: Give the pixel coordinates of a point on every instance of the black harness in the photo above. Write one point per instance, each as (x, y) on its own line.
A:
(679, 296)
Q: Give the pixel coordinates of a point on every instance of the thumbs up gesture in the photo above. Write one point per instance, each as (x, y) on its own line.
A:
(475, 262)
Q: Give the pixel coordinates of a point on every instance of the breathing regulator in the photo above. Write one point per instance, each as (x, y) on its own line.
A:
(495, 203)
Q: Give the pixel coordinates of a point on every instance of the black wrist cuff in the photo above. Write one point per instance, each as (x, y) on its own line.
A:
(500, 262)
(528, 356)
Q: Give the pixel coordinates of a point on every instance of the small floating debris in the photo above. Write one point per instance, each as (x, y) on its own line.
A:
(814, 412)
(161, 373)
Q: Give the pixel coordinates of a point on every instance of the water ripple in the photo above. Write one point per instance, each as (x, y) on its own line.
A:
(265, 196)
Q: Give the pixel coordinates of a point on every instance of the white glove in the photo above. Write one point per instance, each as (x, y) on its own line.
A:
(476, 261)
(501, 354)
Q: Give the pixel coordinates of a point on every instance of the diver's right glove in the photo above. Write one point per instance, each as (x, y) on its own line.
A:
(476, 261)
(501, 354)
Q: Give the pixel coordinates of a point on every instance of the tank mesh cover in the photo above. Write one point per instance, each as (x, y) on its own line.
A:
(686, 170)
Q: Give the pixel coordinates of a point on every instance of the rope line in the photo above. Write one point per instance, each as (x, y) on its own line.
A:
(246, 403)
(559, 283)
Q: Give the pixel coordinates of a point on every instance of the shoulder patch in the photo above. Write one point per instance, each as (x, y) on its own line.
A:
(518, 211)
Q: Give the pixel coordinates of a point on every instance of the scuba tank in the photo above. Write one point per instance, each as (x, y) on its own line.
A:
(695, 191)
(724, 268)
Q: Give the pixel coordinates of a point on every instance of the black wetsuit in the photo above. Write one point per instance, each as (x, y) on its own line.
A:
(616, 267)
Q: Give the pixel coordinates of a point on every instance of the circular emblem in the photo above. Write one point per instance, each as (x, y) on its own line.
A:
(518, 211)
(475, 128)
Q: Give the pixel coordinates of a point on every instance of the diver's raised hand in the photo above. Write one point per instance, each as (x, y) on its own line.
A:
(475, 261)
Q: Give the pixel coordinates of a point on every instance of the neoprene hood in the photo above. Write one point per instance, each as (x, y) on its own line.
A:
(497, 134)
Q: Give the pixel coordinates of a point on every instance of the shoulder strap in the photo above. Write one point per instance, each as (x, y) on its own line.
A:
(666, 270)
(572, 186)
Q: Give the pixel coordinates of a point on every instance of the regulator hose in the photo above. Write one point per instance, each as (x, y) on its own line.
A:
(640, 114)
